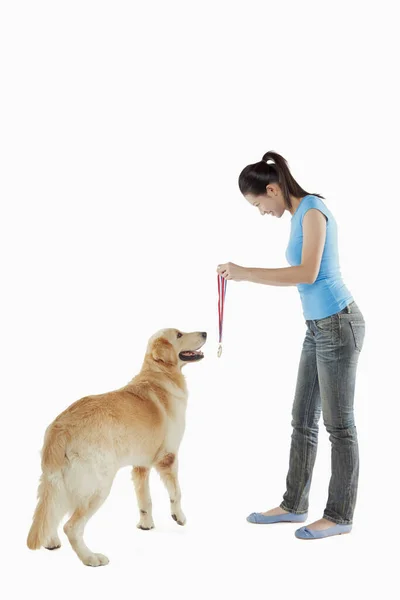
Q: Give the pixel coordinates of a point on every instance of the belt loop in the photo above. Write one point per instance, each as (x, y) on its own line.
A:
(348, 308)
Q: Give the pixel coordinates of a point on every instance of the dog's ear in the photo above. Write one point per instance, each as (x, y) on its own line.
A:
(163, 351)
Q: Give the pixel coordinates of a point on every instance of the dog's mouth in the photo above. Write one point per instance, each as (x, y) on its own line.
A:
(191, 355)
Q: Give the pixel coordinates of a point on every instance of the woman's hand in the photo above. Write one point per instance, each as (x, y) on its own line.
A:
(231, 271)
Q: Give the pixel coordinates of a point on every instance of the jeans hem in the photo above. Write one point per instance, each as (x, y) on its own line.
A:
(295, 512)
(338, 521)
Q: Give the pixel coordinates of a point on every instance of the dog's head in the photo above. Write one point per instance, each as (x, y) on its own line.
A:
(175, 348)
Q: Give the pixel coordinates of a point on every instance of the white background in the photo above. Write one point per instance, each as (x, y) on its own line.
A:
(125, 126)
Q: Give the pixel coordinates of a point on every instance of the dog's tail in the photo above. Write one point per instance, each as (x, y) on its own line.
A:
(52, 501)
(54, 447)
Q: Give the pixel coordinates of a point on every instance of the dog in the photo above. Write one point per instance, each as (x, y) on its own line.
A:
(140, 424)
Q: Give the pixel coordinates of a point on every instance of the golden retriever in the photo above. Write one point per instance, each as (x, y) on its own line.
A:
(140, 424)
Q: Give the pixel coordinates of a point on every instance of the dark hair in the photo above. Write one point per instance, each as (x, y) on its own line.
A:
(255, 178)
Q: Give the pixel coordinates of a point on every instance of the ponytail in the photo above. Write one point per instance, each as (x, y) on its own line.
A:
(255, 178)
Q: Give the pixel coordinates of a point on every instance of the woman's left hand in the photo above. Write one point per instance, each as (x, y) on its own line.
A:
(231, 271)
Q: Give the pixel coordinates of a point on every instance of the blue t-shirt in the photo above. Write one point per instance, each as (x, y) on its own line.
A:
(328, 294)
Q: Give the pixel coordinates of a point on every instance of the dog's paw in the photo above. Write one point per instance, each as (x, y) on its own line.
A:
(95, 560)
(179, 517)
(53, 543)
(145, 523)
(143, 527)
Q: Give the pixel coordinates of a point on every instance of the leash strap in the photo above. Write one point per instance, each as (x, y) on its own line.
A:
(221, 301)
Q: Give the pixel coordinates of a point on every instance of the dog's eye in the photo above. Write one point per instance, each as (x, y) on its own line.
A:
(179, 334)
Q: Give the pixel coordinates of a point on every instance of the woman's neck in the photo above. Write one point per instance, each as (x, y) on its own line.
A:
(295, 203)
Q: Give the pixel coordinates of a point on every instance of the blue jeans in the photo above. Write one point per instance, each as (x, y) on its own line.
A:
(326, 380)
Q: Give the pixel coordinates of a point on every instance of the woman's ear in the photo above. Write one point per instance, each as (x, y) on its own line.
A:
(163, 351)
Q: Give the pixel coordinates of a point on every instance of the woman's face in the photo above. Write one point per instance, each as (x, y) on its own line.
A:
(270, 203)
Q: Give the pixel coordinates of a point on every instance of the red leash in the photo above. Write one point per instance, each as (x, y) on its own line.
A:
(221, 301)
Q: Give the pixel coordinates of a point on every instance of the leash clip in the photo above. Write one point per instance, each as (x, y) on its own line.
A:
(219, 350)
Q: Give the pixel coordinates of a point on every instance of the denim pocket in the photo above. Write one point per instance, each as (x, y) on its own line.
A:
(324, 324)
(358, 329)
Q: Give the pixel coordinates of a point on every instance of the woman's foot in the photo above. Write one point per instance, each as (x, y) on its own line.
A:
(276, 515)
(321, 529)
(320, 525)
(275, 511)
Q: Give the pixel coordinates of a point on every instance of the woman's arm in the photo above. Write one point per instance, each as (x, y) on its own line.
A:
(314, 235)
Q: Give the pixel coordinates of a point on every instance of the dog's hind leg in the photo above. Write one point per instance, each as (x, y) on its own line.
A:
(74, 528)
(140, 476)
(168, 470)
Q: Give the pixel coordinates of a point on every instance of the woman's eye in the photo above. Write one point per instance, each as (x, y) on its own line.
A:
(179, 334)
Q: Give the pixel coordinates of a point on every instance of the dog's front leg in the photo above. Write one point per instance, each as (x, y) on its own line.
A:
(140, 476)
(168, 470)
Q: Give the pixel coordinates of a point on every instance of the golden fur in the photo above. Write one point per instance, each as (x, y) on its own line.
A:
(140, 424)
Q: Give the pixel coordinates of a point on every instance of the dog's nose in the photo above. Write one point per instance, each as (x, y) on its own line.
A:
(204, 334)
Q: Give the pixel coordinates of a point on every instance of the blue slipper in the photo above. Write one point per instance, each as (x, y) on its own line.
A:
(259, 518)
(308, 534)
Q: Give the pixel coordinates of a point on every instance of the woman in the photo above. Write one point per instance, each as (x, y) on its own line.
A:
(333, 341)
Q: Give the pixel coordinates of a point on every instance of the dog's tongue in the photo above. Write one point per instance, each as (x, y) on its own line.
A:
(191, 353)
